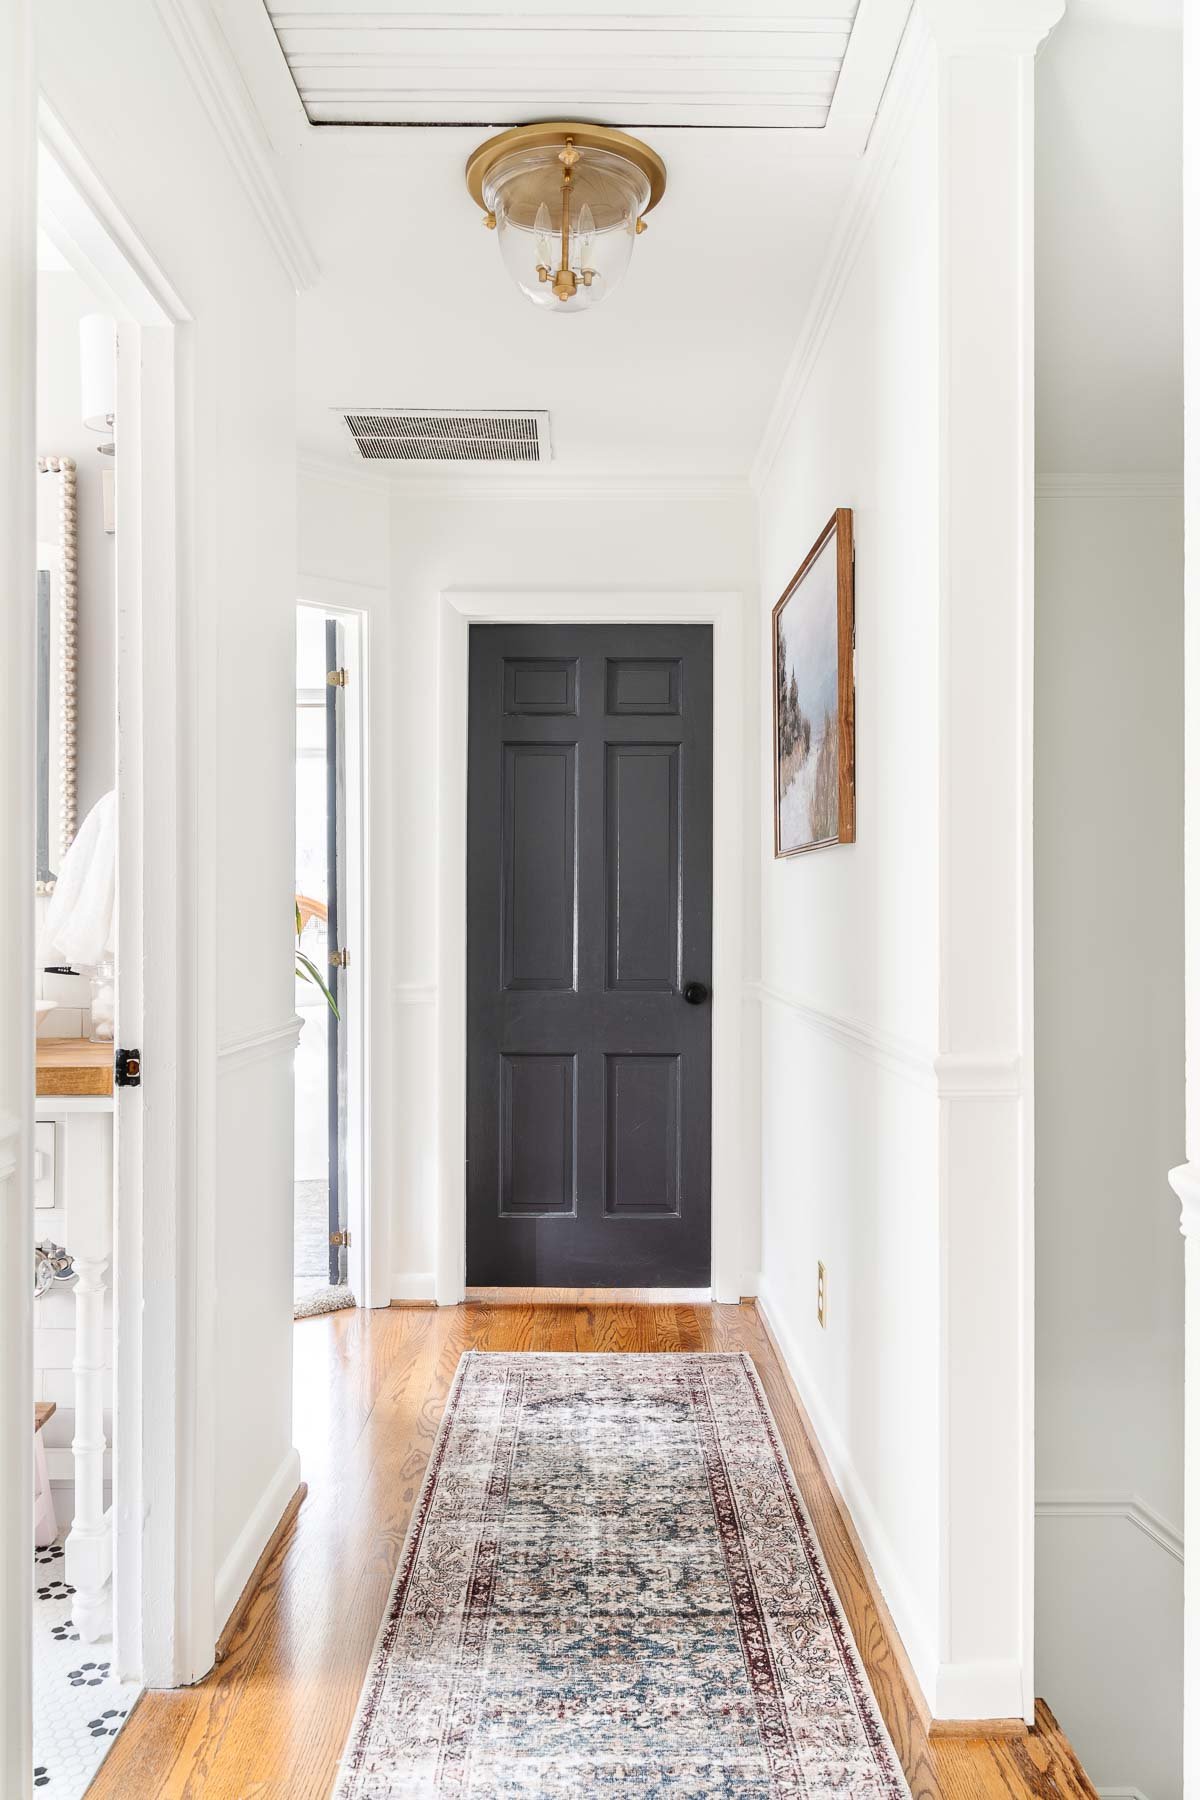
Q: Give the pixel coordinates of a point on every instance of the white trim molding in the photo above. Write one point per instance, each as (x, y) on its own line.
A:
(10, 1139)
(886, 1567)
(218, 85)
(1129, 1507)
(951, 1075)
(1185, 1180)
(238, 1566)
(1115, 485)
(413, 1289)
(416, 993)
(901, 1056)
(906, 84)
(275, 1040)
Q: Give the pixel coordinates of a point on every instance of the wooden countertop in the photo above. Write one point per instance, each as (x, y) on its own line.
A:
(74, 1066)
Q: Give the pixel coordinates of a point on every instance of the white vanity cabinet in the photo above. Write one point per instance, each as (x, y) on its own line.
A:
(73, 1328)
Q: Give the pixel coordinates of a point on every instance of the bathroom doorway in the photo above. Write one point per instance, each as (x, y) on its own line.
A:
(328, 1237)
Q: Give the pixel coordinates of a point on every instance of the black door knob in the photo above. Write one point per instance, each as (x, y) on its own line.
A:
(695, 993)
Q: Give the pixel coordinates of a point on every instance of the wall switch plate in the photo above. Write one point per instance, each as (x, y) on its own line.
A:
(822, 1296)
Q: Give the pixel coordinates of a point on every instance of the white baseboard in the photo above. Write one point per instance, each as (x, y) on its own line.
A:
(1121, 1794)
(252, 1539)
(413, 1287)
(892, 1585)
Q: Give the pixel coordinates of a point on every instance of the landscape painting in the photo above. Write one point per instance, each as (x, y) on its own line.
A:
(814, 696)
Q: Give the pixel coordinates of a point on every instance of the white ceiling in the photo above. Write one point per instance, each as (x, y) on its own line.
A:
(677, 372)
(1109, 267)
(764, 65)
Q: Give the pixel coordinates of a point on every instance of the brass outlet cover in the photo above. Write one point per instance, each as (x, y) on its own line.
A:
(589, 137)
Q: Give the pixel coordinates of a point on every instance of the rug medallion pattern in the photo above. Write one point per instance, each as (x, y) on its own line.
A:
(610, 1587)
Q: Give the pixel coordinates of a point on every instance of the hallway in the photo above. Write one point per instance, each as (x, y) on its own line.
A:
(370, 1389)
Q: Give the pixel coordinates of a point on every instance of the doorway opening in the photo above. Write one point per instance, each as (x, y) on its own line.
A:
(329, 1167)
(80, 1698)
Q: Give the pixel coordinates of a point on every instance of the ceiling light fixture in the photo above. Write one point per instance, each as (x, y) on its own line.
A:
(566, 202)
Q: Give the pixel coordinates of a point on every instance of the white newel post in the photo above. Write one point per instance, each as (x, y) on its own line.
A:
(984, 72)
(1186, 1179)
(89, 1224)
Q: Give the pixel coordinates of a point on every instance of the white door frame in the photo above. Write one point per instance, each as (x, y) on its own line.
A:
(163, 1581)
(370, 971)
(734, 837)
(18, 538)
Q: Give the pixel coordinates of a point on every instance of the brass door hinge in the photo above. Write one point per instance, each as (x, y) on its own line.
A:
(340, 959)
(337, 677)
(341, 1239)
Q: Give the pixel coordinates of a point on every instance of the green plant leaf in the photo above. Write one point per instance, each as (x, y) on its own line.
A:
(307, 970)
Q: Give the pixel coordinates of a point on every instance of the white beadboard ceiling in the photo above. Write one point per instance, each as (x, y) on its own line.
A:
(767, 64)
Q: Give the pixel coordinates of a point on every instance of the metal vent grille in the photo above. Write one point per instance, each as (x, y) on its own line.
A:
(454, 437)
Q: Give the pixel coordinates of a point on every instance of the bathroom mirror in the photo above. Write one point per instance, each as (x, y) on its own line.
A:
(55, 598)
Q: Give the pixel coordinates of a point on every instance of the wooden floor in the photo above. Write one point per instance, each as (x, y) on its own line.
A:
(370, 1389)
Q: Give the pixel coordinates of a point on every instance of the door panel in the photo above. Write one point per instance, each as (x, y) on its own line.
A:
(539, 866)
(589, 884)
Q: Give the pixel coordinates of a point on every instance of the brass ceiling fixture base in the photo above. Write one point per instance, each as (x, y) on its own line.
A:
(587, 137)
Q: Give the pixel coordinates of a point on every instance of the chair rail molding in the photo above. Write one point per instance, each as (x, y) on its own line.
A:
(258, 1046)
(1129, 1507)
(1114, 485)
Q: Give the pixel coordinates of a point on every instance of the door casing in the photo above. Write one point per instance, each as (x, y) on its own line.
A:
(734, 837)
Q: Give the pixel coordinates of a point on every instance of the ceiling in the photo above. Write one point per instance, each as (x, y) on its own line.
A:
(760, 67)
(1109, 254)
(761, 114)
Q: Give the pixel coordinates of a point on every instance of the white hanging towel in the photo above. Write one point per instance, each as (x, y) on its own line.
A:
(81, 917)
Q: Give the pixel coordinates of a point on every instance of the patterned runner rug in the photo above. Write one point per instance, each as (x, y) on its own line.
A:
(610, 1587)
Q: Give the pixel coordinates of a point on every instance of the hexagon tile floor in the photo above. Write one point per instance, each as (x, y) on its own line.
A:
(78, 1704)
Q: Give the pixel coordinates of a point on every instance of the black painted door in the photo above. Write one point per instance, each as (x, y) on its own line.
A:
(589, 928)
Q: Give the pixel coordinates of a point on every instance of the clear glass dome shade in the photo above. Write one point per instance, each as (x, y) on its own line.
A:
(599, 204)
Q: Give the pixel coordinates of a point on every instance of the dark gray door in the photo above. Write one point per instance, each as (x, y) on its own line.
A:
(589, 926)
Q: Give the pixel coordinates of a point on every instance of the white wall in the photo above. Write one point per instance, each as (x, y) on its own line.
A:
(1108, 809)
(116, 80)
(850, 935)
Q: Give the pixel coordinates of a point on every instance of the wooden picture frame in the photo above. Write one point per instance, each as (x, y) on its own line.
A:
(812, 681)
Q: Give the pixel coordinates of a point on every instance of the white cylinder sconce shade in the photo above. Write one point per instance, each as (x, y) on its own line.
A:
(98, 371)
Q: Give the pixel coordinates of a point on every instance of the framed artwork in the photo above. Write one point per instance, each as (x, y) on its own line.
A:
(812, 649)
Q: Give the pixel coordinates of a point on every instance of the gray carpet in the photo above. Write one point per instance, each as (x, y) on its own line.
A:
(310, 1266)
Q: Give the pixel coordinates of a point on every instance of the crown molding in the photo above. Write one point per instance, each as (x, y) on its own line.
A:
(1110, 486)
(1014, 27)
(218, 84)
(473, 484)
(357, 475)
(906, 84)
(1135, 1511)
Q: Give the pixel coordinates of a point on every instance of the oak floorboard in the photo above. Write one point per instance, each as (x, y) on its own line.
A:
(270, 1722)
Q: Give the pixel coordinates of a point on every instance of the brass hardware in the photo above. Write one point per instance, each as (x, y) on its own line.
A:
(586, 137)
(641, 226)
(340, 959)
(490, 221)
(340, 1239)
(337, 677)
(822, 1296)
